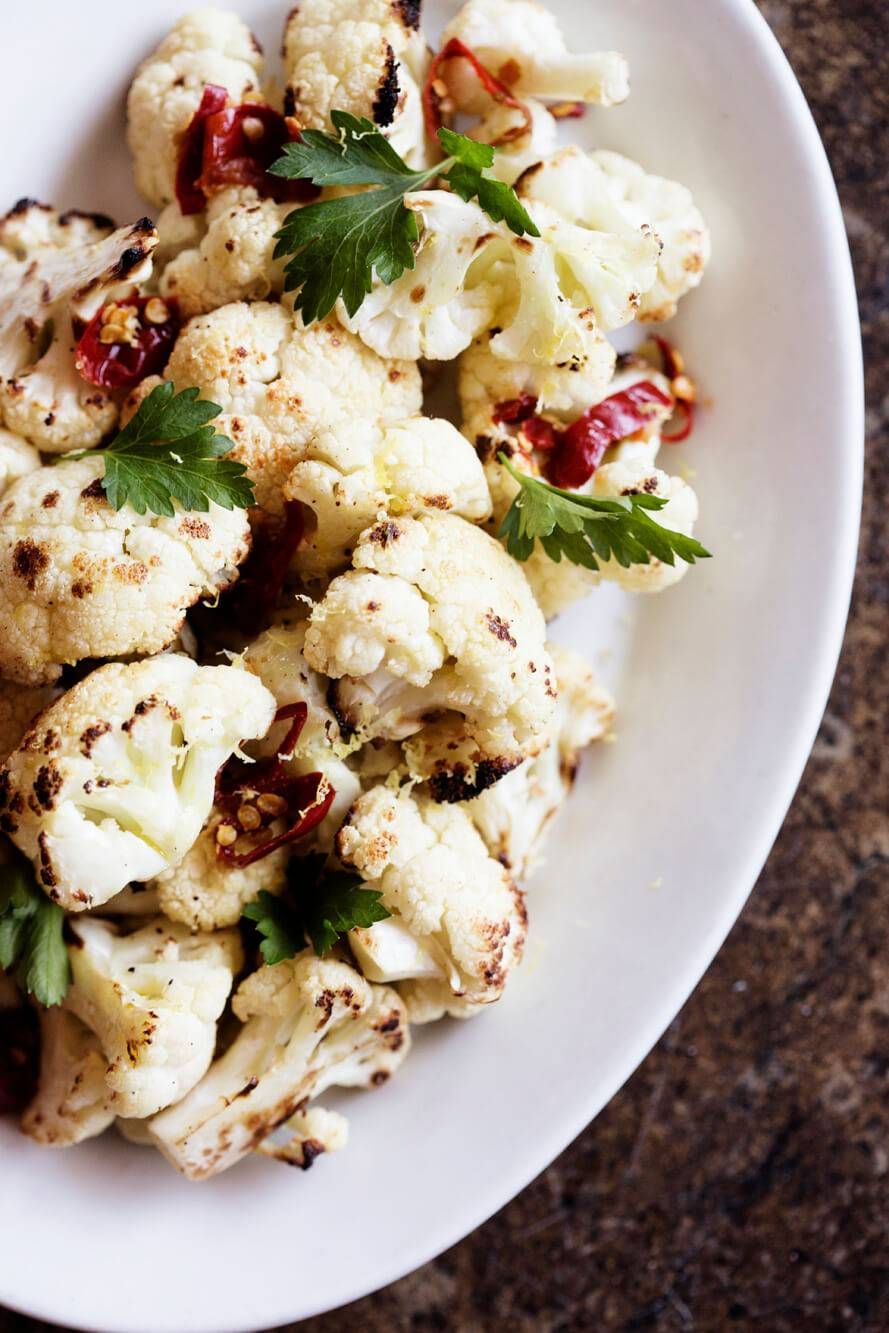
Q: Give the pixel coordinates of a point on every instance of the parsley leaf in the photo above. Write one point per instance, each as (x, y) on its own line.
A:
(318, 916)
(31, 935)
(337, 245)
(274, 921)
(586, 529)
(168, 451)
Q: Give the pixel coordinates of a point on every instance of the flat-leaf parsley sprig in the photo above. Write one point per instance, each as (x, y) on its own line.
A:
(169, 451)
(586, 529)
(337, 245)
(31, 942)
(318, 915)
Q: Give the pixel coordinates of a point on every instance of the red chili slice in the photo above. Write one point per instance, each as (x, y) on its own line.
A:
(19, 1058)
(235, 145)
(687, 412)
(515, 410)
(500, 92)
(299, 712)
(674, 368)
(541, 434)
(581, 447)
(304, 806)
(189, 194)
(252, 600)
(120, 365)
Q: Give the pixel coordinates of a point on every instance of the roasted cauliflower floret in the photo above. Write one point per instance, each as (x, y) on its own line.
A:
(457, 923)
(72, 1102)
(207, 46)
(367, 57)
(514, 816)
(311, 1133)
(308, 1024)
(435, 309)
(204, 893)
(17, 458)
(152, 998)
(80, 579)
(53, 277)
(602, 189)
(352, 476)
(230, 258)
(19, 706)
(279, 384)
(435, 622)
(117, 779)
(520, 41)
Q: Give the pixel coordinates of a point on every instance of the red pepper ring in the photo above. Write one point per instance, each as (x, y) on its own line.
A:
(122, 364)
(300, 713)
(515, 410)
(687, 411)
(498, 91)
(307, 798)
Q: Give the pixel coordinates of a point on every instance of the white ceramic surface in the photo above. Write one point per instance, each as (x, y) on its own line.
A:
(721, 685)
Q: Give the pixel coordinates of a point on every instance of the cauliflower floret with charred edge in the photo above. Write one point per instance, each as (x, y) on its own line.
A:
(516, 152)
(17, 458)
(19, 707)
(594, 190)
(520, 41)
(117, 779)
(229, 258)
(563, 290)
(514, 816)
(310, 1133)
(207, 46)
(457, 924)
(55, 273)
(366, 57)
(435, 623)
(435, 309)
(355, 475)
(72, 1102)
(80, 579)
(308, 1024)
(277, 658)
(152, 998)
(204, 893)
(279, 384)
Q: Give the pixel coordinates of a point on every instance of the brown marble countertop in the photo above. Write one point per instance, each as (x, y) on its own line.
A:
(741, 1179)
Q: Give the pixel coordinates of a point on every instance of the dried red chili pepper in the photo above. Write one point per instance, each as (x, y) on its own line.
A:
(19, 1058)
(299, 713)
(541, 434)
(683, 391)
(494, 87)
(235, 145)
(303, 800)
(686, 409)
(250, 603)
(148, 328)
(190, 196)
(514, 410)
(581, 447)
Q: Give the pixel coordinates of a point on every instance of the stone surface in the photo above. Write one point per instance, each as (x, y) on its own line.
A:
(740, 1180)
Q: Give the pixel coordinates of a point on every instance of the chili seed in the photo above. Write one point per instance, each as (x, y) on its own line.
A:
(156, 311)
(226, 835)
(249, 817)
(271, 804)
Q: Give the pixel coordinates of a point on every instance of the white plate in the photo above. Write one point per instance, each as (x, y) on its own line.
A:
(721, 686)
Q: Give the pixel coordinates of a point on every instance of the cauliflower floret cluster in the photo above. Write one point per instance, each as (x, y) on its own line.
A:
(436, 624)
(17, 458)
(351, 477)
(457, 924)
(56, 270)
(279, 384)
(224, 254)
(435, 309)
(73, 1101)
(603, 191)
(204, 893)
(366, 57)
(308, 1024)
(522, 44)
(206, 46)
(80, 579)
(152, 998)
(514, 816)
(117, 779)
